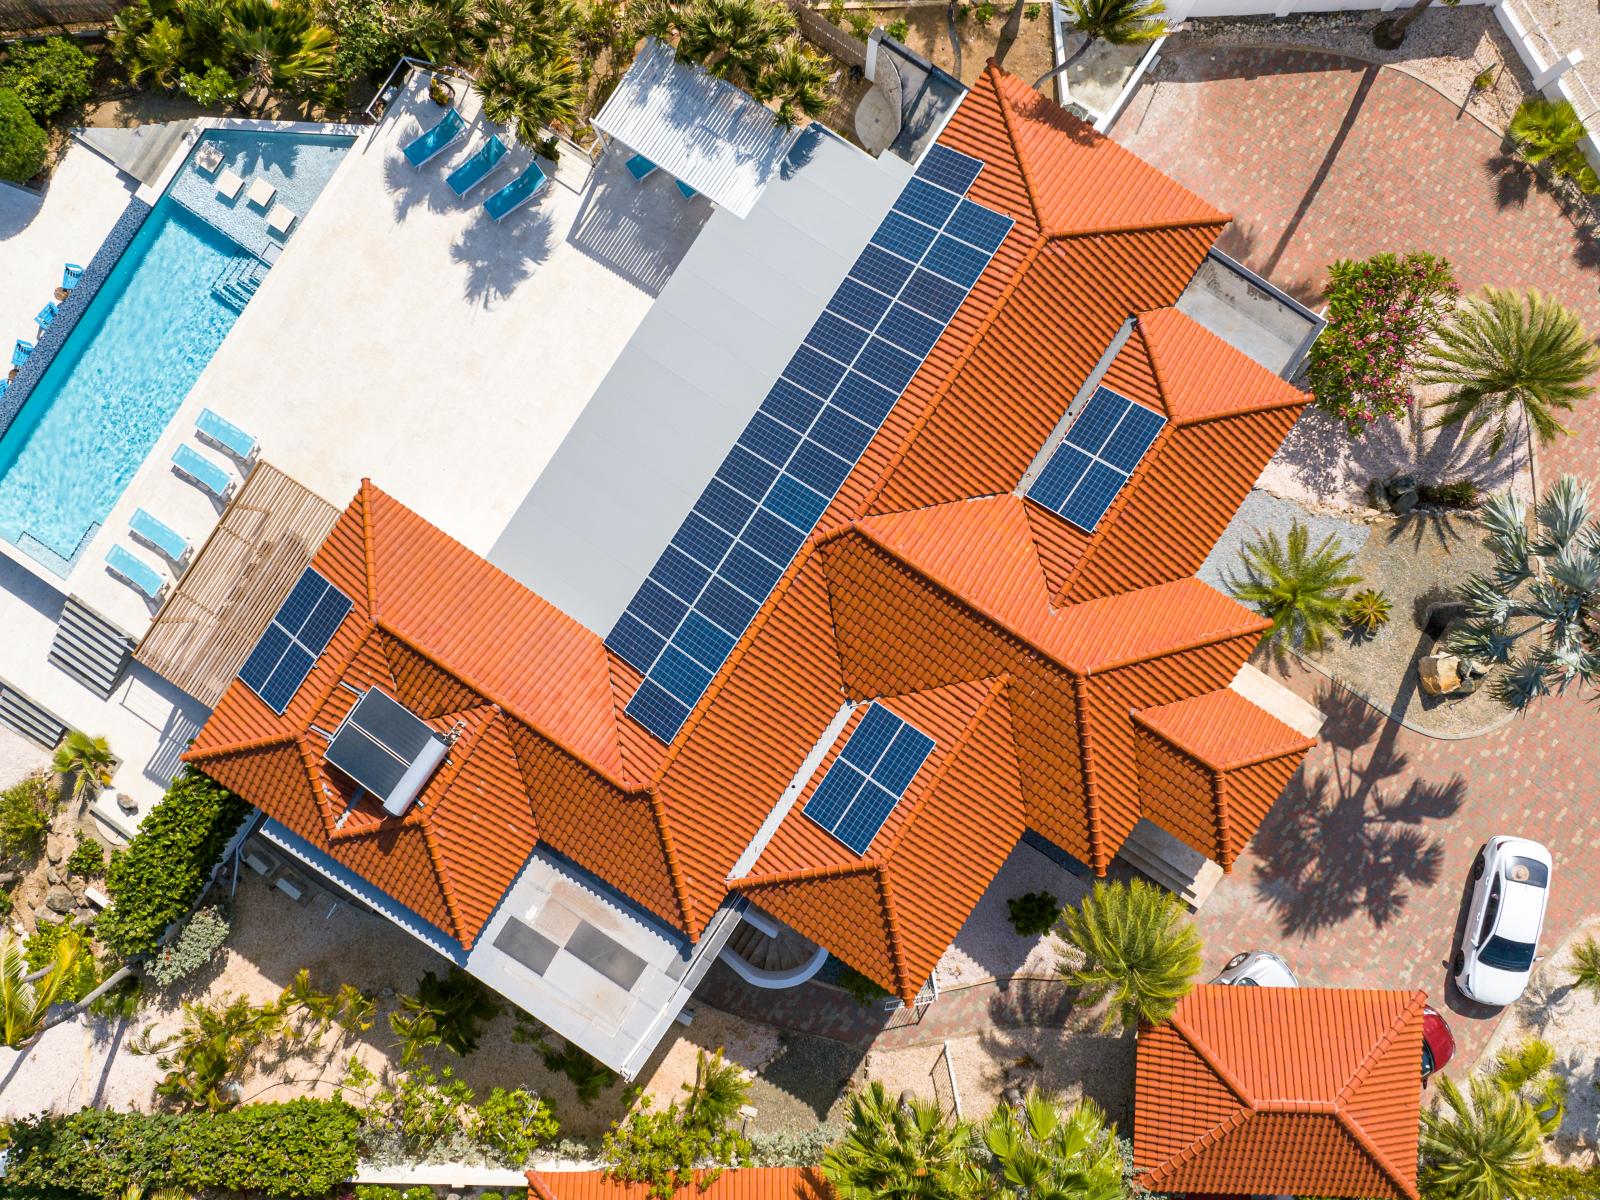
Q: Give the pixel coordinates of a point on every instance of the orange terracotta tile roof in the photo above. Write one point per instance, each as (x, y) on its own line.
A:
(930, 582)
(744, 1183)
(1304, 1091)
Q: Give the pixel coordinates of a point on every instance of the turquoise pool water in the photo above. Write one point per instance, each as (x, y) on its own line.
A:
(141, 344)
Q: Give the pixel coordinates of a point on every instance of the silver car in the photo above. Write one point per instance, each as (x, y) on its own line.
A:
(1500, 940)
(1257, 968)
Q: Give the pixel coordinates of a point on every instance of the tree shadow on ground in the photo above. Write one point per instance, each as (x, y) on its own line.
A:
(1064, 1052)
(1347, 839)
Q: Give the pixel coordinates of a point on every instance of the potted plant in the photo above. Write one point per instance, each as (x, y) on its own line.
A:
(440, 92)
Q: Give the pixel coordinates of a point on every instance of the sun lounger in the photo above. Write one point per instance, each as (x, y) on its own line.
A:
(224, 435)
(202, 472)
(472, 172)
(47, 316)
(229, 183)
(261, 193)
(516, 193)
(435, 141)
(160, 537)
(70, 274)
(20, 352)
(135, 572)
(640, 167)
(281, 219)
(688, 192)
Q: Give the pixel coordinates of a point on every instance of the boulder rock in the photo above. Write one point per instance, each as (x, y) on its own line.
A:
(10, 879)
(1403, 502)
(1439, 674)
(55, 847)
(53, 875)
(60, 900)
(1378, 495)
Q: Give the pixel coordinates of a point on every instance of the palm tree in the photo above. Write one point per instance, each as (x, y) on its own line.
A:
(719, 1090)
(797, 79)
(87, 761)
(1543, 589)
(1550, 131)
(734, 39)
(1526, 1070)
(442, 30)
(1480, 1150)
(1391, 31)
(525, 93)
(894, 1151)
(1120, 22)
(1042, 1153)
(1139, 951)
(147, 46)
(1301, 590)
(1586, 966)
(214, 1043)
(280, 46)
(25, 1001)
(1504, 354)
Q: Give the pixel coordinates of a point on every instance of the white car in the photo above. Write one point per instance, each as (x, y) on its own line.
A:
(1500, 942)
(1257, 968)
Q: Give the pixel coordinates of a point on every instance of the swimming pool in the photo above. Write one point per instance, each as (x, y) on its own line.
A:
(144, 339)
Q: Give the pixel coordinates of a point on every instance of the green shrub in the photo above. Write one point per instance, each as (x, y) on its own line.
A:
(48, 76)
(376, 1191)
(1033, 913)
(513, 1125)
(371, 36)
(669, 1149)
(200, 938)
(1548, 1181)
(300, 1148)
(898, 29)
(858, 987)
(40, 951)
(22, 142)
(25, 809)
(87, 860)
(418, 1193)
(1458, 493)
(588, 1076)
(212, 88)
(166, 866)
(6, 904)
(1367, 611)
(121, 1002)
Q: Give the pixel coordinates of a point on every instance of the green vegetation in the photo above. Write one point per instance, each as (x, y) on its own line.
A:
(49, 77)
(1549, 132)
(753, 43)
(1041, 1152)
(894, 1151)
(1033, 913)
(1505, 355)
(589, 1076)
(197, 942)
(1586, 966)
(87, 860)
(1382, 313)
(1120, 22)
(1529, 618)
(1302, 591)
(513, 1125)
(86, 762)
(23, 1005)
(1457, 493)
(300, 1148)
(43, 948)
(1480, 1145)
(449, 1011)
(1367, 611)
(863, 989)
(25, 810)
(666, 1149)
(1138, 948)
(166, 866)
(1527, 1071)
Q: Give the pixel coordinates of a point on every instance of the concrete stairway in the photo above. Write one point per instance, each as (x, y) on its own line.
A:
(90, 648)
(30, 719)
(1155, 853)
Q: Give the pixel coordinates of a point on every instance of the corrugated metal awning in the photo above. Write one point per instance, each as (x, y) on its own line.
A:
(701, 130)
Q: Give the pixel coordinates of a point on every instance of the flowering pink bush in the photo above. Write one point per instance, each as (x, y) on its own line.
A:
(1381, 312)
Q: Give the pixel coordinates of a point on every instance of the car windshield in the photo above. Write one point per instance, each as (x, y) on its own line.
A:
(1507, 955)
(1529, 871)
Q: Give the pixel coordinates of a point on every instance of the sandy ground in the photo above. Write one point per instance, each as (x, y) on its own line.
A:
(1569, 1019)
(19, 757)
(988, 947)
(928, 34)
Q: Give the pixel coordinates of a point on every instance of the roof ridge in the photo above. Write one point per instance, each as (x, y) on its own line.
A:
(1360, 1075)
(1008, 120)
(369, 554)
(447, 888)
(1086, 768)
(669, 854)
(537, 1185)
(1222, 818)
(891, 929)
(260, 743)
(1191, 1151)
(1065, 235)
(1232, 1082)
(808, 874)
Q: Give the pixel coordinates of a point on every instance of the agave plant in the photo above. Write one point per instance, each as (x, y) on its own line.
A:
(901, 1151)
(1367, 611)
(719, 1090)
(1532, 618)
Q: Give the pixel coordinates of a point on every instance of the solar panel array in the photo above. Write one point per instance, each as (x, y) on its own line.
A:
(295, 639)
(808, 434)
(869, 778)
(1096, 458)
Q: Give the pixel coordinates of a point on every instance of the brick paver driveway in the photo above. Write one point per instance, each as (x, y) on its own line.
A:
(1359, 874)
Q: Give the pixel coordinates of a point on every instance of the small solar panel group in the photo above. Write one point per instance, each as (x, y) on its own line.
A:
(806, 437)
(869, 777)
(294, 640)
(1096, 458)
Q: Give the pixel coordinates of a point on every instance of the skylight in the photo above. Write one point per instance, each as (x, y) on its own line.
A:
(869, 778)
(1101, 450)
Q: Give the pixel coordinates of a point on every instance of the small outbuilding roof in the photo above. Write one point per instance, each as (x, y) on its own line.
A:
(703, 131)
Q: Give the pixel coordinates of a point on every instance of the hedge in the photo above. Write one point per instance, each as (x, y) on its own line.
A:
(156, 880)
(1548, 1181)
(295, 1149)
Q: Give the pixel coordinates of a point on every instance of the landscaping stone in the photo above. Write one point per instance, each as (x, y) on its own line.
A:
(53, 875)
(9, 879)
(1402, 494)
(1378, 495)
(1439, 674)
(60, 900)
(55, 848)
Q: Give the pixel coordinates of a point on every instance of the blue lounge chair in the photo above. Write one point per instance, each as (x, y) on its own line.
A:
(70, 274)
(438, 139)
(47, 316)
(471, 173)
(160, 537)
(516, 193)
(135, 572)
(688, 192)
(202, 472)
(640, 167)
(224, 435)
(20, 352)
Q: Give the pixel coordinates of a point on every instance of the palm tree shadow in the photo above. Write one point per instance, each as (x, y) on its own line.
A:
(501, 255)
(1049, 1042)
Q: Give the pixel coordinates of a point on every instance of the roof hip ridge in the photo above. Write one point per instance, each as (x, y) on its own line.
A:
(1008, 120)
(809, 874)
(1066, 235)
(1183, 1157)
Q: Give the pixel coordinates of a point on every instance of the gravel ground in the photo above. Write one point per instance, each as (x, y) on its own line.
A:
(1262, 511)
(1446, 49)
(1569, 1019)
(1323, 467)
(988, 947)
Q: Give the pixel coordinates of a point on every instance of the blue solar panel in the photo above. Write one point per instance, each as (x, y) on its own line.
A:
(949, 168)
(294, 639)
(1102, 447)
(800, 446)
(875, 766)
